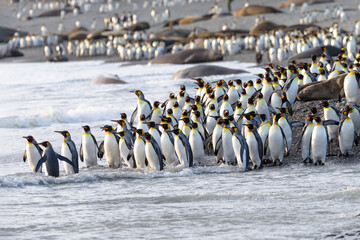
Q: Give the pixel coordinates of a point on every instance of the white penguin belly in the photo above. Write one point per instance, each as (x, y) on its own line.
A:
(139, 153)
(287, 131)
(346, 136)
(196, 147)
(152, 157)
(65, 151)
(318, 144)
(276, 143)
(167, 149)
(306, 141)
(181, 152)
(112, 151)
(351, 90)
(237, 150)
(124, 152)
(33, 156)
(253, 149)
(89, 151)
(229, 155)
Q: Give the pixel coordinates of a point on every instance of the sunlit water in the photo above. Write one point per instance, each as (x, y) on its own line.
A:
(289, 202)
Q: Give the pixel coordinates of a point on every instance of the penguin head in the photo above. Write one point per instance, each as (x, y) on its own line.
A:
(147, 136)
(194, 125)
(276, 79)
(226, 121)
(250, 126)
(233, 129)
(186, 120)
(187, 100)
(29, 138)
(325, 104)
(175, 105)
(347, 110)
(199, 82)
(342, 50)
(212, 107)
(183, 88)
(230, 83)
(226, 97)
(263, 117)
(283, 97)
(122, 133)
(238, 82)
(184, 113)
(107, 128)
(258, 81)
(156, 104)
(260, 95)
(243, 92)
(277, 117)
(137, 93)
(301, 77)
(313, 58)
(176, 131)
(86, 128)
(182, 93)
(171, 95)
(66, 134)
(151, 124)
(194, 107)
(313, 110)
(169, 111)
(197, 99)
(138, 131)
(142, 117)
(317, 119)
(249, 83)
(250, 101)
(226, 113)
(282, 110)
(123, 116)
(45, 144)
(197, 114)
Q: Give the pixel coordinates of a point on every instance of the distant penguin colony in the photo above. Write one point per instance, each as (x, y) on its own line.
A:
(239, 123)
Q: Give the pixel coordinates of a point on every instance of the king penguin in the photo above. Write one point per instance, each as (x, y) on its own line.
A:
(255, 146)
(183, 148)
(153, 153)
(69, 151)
(125, 146)
(277, 141)
(143, 107)
(32, 153)
(197, 144)
(88, 148)
(50, 158)
(346, 134)
(241, 150)
(319, 142)
(110, 146)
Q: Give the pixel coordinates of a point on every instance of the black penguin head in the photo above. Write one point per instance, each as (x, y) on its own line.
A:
(183, 88)
(283, 97)
(301, 77)
(258, 81)
(348, 109)
(186, 119)
(182, 93)
(230, 83)
(176, 131)
(138, 131)
(142, 117)
(282, 110)
(309, 118)
(123, 116)
(226, 121)
(184, 113)
(263, 117)
(250, 83)
(212, 107)
(187, 100)
(197, 98)
(175, 105)
(197, 114)
(317, 119)
(250, 126)
(238, 104)
(194, 125)
(151, 124)
(169, 111)
(122, 133)
(194, 107)
(64, 133)
(325, 104)
(233, 129)
(45, 144)
(137, 93)
(171, 95)
(107, 128)
(156, 104)
(277, 117)
(226, 113)
(147, 136)
(86, 128)
(238, 82)
(260, 95)
(313, 58)
(226, 97)
(243, 92)
(29, 138)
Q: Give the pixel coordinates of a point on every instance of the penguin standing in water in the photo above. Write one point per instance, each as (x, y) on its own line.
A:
(197, 144)
(69, 151)
(182, 148)
(277, 141)
(138, 151)
(255, 145)
(110, 147)
(153, 153)
(32, 153)
(50, 158)
(305, 140)
(125, 146)
(319, 141)
(241, 149)
(143, 107)
(88, 148)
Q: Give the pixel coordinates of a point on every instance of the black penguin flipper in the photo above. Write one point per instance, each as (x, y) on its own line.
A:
(94, 139)
(65, 159)
(187, 146)
(101, 150)
(271, 109)
(301, 136)
(340, 125)
(171, 137)
(133, 116)
(40, 162)
(81, 153)
(218, 145)
(337, 111)
(330, 122)
(260, 145)
(164, 104)
(24, 156)
(74, 156)
(285, 140)
(131, 154)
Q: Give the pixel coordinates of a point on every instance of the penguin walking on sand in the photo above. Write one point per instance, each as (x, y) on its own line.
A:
(88, 148)
(50, 158)
(153, 153)
(32, 153)
(110, 147)
(69, 151)
(182, 148)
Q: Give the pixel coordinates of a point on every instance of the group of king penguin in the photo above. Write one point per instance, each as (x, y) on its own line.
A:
(240, 123)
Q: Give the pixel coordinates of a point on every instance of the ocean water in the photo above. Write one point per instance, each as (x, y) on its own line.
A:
(289, 202)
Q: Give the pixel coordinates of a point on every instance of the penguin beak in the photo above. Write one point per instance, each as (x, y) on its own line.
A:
(61, 132)
(117, 121)
(26, 137)
(133, 130)
(42, 144)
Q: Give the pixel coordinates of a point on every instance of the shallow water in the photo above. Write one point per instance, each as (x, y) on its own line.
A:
(289, 202)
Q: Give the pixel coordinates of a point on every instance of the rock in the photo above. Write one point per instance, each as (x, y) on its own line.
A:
(107, 79)
(255, 10)
(205, 70)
